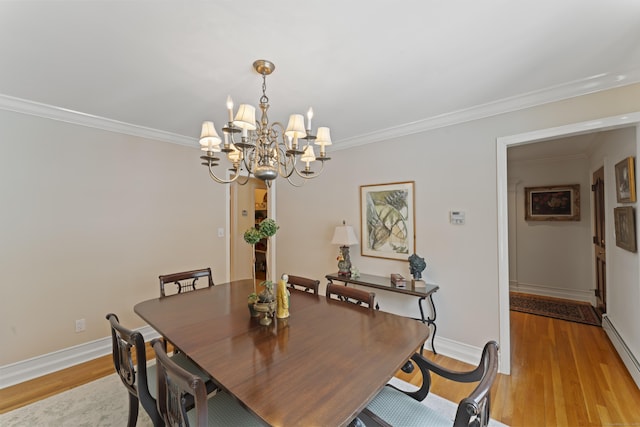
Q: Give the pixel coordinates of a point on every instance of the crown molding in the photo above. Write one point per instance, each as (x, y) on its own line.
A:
(52, 112)
(573, 89)
(579, 87)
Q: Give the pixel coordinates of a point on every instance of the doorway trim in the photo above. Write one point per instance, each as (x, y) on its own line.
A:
(502, 143)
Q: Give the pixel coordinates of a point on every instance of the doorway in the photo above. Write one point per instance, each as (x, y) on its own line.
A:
(248, 203)
(502, 144)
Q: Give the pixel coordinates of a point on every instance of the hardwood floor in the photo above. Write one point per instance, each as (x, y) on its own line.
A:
(563, 374)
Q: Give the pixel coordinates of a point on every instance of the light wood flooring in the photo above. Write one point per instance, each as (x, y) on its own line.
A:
(563, 374)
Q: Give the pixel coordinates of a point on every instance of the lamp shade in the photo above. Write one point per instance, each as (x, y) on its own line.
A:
(344, 236)
(246, 117)
(324, 136)
(308, 155)
(295, 128)
(209, 137)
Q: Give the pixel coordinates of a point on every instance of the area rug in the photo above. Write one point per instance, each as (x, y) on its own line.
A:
(104, 402)
(573, 311)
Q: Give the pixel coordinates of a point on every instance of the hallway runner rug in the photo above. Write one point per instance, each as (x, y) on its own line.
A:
(573, 311)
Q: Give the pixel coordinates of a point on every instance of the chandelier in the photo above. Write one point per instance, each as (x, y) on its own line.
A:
(262, 149)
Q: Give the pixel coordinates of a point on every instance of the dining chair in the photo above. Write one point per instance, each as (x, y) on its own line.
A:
(303, 284)
(351, 295)
(395, 407)
(140, 379)
(177, 386)
(185, 280)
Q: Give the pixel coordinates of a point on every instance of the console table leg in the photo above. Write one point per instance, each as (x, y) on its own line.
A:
(430, 321)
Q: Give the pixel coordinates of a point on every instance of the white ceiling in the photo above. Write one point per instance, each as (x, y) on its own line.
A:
(366, 67)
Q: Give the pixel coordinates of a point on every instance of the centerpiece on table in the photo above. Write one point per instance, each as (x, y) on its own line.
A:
(264, 302)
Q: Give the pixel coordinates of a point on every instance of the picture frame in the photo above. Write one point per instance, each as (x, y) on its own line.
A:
(387, 220)
(552, 203)
(625, 226)
(626, 181)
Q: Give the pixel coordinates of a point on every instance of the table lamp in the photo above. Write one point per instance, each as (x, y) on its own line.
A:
(344, 236)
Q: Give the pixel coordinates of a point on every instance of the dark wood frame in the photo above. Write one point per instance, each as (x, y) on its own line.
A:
(409, 220)
(625, 222)
(626, 185)
(535, 197)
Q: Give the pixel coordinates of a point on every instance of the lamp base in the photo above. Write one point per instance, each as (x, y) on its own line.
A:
(344, 265)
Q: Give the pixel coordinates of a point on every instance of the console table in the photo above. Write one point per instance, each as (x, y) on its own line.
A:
(384, 283)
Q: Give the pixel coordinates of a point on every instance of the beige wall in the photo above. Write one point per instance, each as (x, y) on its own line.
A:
(454, 168)
(89, 220)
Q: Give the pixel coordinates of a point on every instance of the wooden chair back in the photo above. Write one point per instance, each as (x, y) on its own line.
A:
(175, 385)
(304, 284)
(185, 280)
(393, 406)
(351, 295)
(134, 378)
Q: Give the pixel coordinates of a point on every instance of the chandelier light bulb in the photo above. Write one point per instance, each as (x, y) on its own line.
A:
(309, 117)
(230, 108)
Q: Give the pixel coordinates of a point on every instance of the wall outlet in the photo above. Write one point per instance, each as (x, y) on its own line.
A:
(81, 326)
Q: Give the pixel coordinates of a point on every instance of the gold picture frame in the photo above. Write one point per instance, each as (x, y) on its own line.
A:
(387, 220)
(552, 203)
(625, 223)
(626, 181)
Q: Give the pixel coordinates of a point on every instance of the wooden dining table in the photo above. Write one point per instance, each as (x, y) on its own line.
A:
(319, 367)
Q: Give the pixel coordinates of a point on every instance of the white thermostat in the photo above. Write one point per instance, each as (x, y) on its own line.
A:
(456, 217)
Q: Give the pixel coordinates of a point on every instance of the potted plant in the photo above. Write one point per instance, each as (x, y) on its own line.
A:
(266, 229)
(251, 300)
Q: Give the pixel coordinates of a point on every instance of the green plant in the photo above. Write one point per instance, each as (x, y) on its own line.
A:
(268, 227)
(252, 236)
(267, 294)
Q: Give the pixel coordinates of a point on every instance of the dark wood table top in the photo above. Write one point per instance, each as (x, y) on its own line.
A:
(381, 282)
(321, 366)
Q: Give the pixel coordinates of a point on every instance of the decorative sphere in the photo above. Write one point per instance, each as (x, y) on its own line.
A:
(266, 172)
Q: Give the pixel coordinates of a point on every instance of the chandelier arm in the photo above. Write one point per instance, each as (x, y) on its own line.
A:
(307, 177)
(222, 181)
(284, 162)
(294, 184)
(251, 154)
(245, 181)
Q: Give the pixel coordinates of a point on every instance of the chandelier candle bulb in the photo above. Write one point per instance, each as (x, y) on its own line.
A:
(309, 117)
(230, 108)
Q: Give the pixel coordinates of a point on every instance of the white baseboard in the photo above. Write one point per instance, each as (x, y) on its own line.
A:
(630, 361)
(38, 366)
(585, 295)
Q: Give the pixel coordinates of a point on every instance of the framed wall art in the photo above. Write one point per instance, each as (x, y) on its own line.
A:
(387, 220)
(626, 181)
(625, 222)
(552, 203)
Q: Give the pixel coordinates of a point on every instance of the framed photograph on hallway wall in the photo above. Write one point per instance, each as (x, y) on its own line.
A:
(387, 220)
(626, 181)
(625, 222)
(552, 203)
